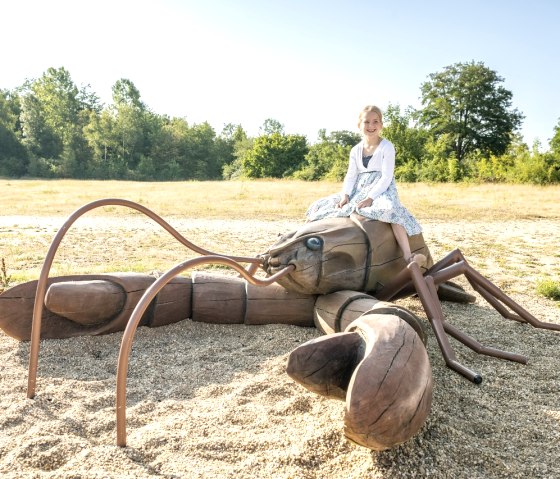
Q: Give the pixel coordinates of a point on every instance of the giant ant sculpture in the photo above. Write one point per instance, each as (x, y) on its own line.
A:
(338, 274)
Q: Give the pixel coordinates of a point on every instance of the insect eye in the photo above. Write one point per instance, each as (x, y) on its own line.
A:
(313, 243)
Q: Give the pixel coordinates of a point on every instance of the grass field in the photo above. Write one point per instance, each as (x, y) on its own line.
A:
(273, 199)
(244, 217)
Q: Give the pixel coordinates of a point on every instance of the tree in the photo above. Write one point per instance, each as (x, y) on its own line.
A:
(120, 135)
(467, 103)
(13, 157)
(202, 159)
(165, 150)
(532, 166)
(54, 113)
(241, 149)
(126, 93)
(226, 145)
(555, 141)
(343, 138)
(39, 136)
(328, 158)
(274, 156)
(100, 133)
(271, 126)
(408, 138)
(130, 118)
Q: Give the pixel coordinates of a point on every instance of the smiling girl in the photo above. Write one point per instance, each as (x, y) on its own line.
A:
(369, 186)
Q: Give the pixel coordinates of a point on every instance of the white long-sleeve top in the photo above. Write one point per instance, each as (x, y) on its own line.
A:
(383, 160)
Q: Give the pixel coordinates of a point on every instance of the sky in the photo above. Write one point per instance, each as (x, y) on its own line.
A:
(307, 64)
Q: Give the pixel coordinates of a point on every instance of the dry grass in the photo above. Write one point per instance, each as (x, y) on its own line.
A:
(241, 218)
(240, 199)
(272, 199)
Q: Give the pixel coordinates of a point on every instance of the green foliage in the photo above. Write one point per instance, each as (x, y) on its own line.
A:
(406, 135)
(271, 126)
(555, 141)
(146, 169)
(488, 170)
(517, 165)
(324, 160)
(130, 126)
(125, 94)
(53, 115)
(466, 103)
(50, 128)
(411, 144)
(13, 156)
(241, 148)
(439, 166)
(407, 172)
(225, 147)
(328, 159)
(343, 138)
(529, 168)
(39, 137)
(41, 168)
(274, 156)
(549, 289)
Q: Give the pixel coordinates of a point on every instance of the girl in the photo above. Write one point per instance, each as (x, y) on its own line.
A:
(369, 186)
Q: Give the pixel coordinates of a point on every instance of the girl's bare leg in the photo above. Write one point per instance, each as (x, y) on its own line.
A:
(402, 240)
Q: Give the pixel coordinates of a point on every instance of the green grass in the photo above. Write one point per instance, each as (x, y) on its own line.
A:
(549, 289)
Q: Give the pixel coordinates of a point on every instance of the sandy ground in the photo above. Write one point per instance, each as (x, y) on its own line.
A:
(213, 401)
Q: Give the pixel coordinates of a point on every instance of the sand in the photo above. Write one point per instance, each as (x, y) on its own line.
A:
(213, 401)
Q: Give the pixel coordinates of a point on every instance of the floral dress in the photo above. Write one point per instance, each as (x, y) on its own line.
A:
(386, 207)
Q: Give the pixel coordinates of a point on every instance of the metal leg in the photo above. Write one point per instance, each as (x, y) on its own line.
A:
(427, 293)
(453, 265)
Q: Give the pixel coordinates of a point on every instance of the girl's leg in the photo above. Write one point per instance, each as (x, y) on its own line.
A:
(402, 239)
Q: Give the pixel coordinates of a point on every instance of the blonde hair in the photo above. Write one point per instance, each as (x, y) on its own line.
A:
(370, 108)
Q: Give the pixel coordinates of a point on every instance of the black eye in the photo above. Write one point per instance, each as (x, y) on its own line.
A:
(314, 243)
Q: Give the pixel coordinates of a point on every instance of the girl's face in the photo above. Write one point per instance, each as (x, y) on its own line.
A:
(370, 125)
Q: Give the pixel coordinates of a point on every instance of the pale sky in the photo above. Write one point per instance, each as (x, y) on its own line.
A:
(308, 64)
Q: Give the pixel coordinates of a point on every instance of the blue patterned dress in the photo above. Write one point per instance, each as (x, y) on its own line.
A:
(386, 207)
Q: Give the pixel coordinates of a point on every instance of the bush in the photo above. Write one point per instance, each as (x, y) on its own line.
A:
(274, 156)
(438, 164)
(407, 172)
(41, 168)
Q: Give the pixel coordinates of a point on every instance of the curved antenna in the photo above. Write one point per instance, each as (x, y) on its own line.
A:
(145, 300)
(42, 282)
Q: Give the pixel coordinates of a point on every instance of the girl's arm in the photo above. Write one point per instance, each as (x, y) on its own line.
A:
(351, 173)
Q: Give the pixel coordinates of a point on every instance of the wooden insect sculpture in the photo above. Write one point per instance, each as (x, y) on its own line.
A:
(336, 274)
(368, 259)
(379, 366)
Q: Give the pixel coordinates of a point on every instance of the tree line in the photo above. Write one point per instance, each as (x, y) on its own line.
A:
(465, 130)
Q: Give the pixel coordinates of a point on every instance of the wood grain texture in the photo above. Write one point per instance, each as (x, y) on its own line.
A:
(390, 393)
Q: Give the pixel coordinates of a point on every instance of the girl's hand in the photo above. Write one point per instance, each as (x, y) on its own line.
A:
(365, 203)
(342, 202)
